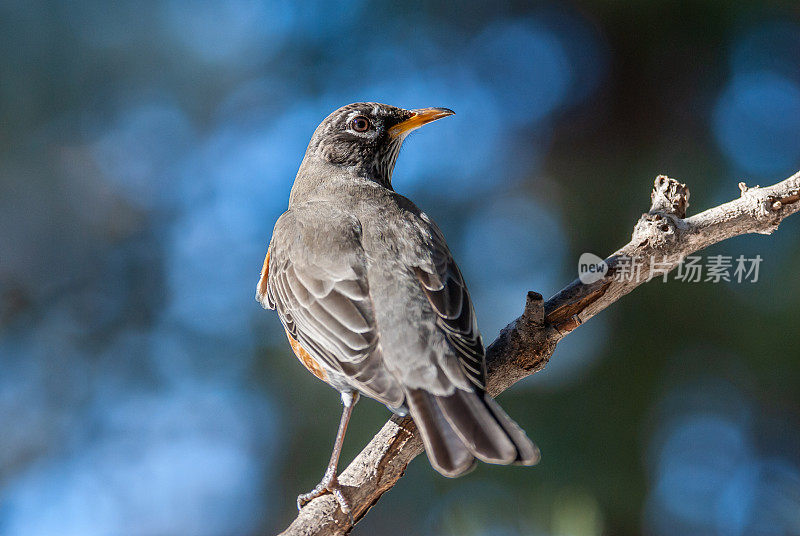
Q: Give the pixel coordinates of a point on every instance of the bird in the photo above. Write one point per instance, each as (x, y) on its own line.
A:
(373, 303)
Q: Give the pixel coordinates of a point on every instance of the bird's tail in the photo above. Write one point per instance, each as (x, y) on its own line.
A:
(466, 425)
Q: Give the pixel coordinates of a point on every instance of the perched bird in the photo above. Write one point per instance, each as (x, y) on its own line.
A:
(372, 301)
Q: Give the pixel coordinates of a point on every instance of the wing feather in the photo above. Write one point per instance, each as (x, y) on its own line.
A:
(324, 301)
(447, 293)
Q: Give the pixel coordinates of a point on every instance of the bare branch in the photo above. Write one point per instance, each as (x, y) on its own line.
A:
(525, 345)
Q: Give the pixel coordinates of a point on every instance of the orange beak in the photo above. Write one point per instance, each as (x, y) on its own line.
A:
(423, 116)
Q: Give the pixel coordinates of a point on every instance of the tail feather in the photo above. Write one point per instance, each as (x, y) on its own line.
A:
(446, 451)
(527, 452)
(466, 425)
(477, 427)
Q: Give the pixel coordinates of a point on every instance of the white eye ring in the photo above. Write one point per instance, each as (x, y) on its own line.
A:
(360, 123)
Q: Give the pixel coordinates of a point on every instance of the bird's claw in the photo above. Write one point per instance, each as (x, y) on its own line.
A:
(328, 485)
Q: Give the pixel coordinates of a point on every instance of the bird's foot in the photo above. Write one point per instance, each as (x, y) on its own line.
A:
(330, 484)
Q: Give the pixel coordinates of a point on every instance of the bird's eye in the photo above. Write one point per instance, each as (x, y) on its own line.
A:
(360, 124)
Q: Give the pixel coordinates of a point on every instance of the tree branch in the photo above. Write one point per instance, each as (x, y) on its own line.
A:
(661, 239)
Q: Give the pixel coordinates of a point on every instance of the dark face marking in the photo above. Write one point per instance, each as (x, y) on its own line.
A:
(357, 136)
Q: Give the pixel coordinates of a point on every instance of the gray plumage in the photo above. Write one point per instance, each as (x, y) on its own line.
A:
(364, 281)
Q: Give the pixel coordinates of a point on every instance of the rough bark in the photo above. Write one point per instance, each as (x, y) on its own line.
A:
(663, 235)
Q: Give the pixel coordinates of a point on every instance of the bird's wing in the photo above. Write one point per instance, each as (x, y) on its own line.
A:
(316, 279)
(463, 423)
(447, 293)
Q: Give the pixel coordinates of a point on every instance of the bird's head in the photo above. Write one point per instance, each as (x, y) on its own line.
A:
(366, 137)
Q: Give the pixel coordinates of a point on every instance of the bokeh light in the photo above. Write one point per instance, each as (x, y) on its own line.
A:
(757, 116)
(147, 151)
(709, 474)
(757, 123)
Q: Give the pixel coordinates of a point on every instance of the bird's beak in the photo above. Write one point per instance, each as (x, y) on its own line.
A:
(420, 117)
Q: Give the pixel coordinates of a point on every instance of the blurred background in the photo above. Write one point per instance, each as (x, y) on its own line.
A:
(147, 148)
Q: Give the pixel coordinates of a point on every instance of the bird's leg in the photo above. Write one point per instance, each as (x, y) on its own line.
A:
(329, 483)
